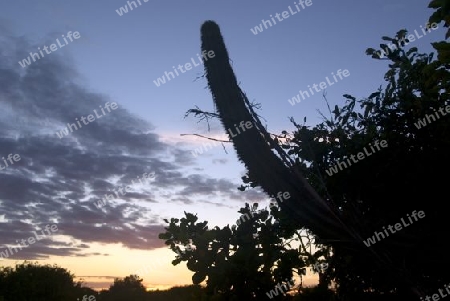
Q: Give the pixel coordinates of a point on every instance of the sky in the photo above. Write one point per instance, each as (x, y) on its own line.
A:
(109, 69)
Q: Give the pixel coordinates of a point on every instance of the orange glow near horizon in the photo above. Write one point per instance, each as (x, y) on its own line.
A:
(154, 267)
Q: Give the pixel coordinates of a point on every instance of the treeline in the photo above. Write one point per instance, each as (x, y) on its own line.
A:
(33, 282)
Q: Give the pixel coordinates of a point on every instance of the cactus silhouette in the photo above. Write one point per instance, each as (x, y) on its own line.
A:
(254, 147)
(274, 171)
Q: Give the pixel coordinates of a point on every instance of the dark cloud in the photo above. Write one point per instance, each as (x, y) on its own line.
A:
(58, 180)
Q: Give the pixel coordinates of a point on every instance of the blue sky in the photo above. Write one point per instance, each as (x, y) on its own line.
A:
(116, 59)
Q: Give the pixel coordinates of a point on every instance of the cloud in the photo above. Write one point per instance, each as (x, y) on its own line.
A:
(220, 161)
(57, 181)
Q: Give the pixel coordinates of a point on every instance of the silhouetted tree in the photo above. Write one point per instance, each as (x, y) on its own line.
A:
(30, 281)
(128, 288)
(244, 261)
(345, 208)
(179, 293)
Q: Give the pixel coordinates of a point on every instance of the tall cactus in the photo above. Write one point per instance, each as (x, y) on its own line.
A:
(275, 172)
(254, 147)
